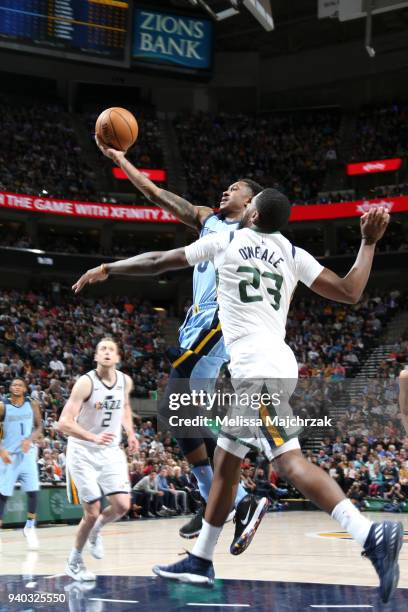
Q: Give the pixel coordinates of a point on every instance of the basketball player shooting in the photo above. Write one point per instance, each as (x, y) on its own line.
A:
(21, 426)
(93, 417)
(201, 352)
(258, 270)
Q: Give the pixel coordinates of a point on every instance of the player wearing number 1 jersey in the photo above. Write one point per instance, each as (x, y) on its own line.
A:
(20, 428)
(93, 418)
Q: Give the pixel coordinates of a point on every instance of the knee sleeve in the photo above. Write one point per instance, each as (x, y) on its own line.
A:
(32, 502)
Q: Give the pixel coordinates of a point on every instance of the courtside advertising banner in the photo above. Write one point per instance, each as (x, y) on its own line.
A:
(172, 39)
(372, 167)
(153, 214)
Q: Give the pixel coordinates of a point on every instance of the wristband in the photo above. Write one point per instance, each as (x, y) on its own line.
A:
(104, 269)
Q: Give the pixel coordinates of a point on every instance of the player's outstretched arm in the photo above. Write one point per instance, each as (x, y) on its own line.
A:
(145, 264)
(186, 212)
(403, 398)
(156, 262)
(67, 423)
(350, 288)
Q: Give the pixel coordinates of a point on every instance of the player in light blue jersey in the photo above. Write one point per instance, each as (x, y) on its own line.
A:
(201, 351)
(20, 427)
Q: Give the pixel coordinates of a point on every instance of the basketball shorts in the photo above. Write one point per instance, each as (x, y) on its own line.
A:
(93, 473)
(264, 372)
(23, 469)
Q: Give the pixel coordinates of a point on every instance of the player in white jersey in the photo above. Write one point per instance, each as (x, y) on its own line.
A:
(93, 417)
(258, 270)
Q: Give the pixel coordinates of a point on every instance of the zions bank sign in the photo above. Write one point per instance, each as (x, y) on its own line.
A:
(173, 39)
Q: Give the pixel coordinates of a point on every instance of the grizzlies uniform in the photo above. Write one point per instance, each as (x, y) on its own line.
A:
(17, 425)
(202, 350)
(95, 470)
(201, 353)
(257, 275)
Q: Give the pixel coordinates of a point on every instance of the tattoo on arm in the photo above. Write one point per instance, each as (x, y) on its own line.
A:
(183, 209)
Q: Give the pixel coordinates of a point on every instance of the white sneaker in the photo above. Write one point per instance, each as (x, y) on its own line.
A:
(30, 534)
(95, 545)
(77, 571)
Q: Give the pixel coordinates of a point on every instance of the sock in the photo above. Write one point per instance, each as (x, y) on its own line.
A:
(241, 493)
(30, 523)
(75, 555)
(204, 475)
(207, 541)
(352, 520)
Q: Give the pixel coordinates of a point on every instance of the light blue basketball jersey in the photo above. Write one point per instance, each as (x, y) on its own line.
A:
(204, 290)
(201, 314)
(18, 424)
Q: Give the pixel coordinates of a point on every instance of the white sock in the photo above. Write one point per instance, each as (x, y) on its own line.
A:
(352, 520)
(75, 555)
(207, 541)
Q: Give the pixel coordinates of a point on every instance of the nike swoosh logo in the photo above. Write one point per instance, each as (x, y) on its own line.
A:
(246, 519)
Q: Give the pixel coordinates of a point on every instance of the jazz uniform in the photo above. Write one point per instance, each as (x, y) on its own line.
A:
(95, 471)
(257, 274)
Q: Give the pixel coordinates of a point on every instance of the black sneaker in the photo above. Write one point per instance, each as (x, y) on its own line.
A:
(248, 515)
(382, 547)
(193, 527)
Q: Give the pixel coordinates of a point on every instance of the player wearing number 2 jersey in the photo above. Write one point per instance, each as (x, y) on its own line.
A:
(93, 418)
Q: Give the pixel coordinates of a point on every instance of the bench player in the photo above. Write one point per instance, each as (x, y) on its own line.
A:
(258, 270)
(96, 466)
(21, 427)
(201, 351)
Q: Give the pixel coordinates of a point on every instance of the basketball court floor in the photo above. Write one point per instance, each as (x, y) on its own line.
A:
(297, 561)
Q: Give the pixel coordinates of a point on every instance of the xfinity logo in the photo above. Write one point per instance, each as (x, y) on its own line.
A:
(376, 167)
(366, 206)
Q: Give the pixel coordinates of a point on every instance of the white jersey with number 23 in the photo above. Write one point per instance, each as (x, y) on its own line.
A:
(257, 274)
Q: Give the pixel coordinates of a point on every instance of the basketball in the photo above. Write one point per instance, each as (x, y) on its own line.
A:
(117, 128)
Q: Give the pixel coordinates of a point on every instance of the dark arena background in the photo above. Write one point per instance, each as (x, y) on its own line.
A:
(310, 98)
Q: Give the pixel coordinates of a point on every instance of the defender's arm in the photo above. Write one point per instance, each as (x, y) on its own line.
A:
(350, 288)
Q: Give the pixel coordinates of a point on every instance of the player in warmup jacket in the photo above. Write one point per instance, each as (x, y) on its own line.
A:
(20, 428)
(258, 270)
(96, 466)
(201, 352)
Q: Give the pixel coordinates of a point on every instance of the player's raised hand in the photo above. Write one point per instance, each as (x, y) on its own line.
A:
(94, 275)
(25, 445)
(112, 154)
(104, 438)
(5, 456)
(373, 224)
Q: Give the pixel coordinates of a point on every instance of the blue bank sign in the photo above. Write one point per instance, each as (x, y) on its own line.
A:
(171, 38)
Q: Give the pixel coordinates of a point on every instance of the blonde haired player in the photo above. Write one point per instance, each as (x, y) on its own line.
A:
(92, 419)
